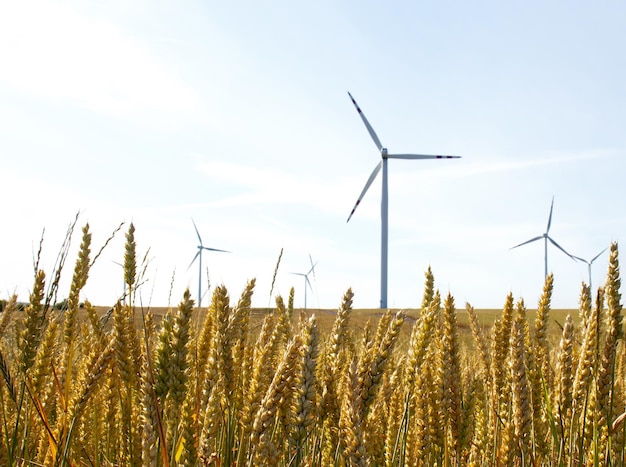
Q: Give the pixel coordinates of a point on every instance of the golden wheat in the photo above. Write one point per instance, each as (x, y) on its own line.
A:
(223, 387)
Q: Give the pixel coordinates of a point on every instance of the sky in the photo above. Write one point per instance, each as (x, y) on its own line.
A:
(236, 115)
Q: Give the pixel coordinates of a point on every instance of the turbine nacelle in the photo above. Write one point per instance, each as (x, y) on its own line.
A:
(383, 153)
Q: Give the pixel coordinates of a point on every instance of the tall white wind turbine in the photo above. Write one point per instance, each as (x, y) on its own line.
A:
(198, 256)
(589, 263)
(384, 206)
(546, 237)
(306, 278)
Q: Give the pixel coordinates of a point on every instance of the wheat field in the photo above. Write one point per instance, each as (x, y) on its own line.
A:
(227, 386)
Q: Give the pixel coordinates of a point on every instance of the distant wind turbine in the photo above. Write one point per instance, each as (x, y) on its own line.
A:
(199, 258)
(589, 263)
(546, 237)
(306, 278)
(384, 212)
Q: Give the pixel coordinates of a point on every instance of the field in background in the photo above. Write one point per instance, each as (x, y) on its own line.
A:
(360, 317)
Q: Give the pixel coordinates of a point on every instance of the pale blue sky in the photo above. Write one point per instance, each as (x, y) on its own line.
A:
(236, 114)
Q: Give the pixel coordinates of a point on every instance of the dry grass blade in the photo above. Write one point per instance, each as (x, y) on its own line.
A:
(8, 379)
(52, 441)
(617, 423)
(53, 287)
(280, 255)
(107, 241)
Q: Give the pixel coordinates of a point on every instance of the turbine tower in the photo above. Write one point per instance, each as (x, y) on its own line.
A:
(384, 206)
(306, 278)
(199, 258)
(546, 237)
(589, 263)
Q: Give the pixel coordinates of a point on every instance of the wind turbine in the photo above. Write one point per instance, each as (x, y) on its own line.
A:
(384, 206)
(199, 258)
(306, 278)
(590, 262)
(546, 237)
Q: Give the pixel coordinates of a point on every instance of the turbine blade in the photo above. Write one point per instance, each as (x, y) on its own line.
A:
(194, 259)
(213, 249)
(419, 156)
(308, 283)
(550, 218)
(528, 241)
(312, 270)
(559, 247)
(367, 124)
(367, 185)
(197, 233)
(598, 255)
(580, 259)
